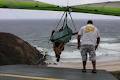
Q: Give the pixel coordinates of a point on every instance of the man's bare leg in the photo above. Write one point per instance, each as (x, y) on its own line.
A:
(94, 66)
(84, 66)
(57, 57)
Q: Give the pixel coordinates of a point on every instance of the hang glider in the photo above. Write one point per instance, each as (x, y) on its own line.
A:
(63, 33)
(86, 6)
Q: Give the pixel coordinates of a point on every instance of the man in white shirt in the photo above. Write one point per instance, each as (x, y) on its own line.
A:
(88, 41)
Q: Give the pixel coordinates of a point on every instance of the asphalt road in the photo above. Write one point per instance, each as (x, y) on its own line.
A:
(32, 72)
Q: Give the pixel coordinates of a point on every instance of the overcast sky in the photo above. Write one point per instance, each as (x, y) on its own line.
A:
(73, 2)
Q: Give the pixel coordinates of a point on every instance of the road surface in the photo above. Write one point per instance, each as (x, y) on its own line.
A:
(33, 72)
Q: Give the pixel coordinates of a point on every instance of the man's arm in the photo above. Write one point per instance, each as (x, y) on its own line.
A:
(80, 33)
(78, 40)
(98, 41)
(75, 33)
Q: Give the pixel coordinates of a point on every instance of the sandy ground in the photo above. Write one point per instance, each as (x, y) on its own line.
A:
(104, 65)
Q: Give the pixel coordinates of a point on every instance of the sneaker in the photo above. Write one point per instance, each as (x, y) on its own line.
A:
(94, 71)
(55, 63)
(83, 70)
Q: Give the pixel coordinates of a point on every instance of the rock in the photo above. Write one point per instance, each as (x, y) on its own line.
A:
(14, 50)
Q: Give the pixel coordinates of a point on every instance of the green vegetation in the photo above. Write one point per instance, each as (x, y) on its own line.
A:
(116, 74)
(97, 10)
(35, 5)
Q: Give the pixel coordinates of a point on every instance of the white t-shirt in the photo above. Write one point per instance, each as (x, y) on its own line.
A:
(89, 35)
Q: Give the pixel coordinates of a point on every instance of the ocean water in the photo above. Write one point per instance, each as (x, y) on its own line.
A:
(37, 33)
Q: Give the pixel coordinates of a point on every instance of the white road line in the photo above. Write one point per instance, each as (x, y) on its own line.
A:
(28, 77)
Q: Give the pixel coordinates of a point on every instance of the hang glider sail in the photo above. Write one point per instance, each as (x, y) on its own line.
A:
(62, 36)
(63, 33)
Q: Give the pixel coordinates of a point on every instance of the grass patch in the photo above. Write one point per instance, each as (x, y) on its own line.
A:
(116, 74)
(27, 5)
(98, 10)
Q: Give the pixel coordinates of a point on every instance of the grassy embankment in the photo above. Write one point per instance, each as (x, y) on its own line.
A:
(112, 8)
(34, 5)
(116, 74)
(101, 9)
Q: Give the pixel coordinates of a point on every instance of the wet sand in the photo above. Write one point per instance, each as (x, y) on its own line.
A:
(104, 65)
